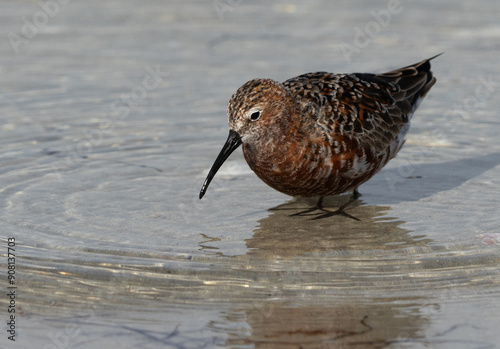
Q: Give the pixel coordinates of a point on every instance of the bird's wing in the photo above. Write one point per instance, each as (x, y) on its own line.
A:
(369, 109)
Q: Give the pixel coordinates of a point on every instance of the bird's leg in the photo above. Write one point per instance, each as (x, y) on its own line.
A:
(340, 210)
(326, 214)
(319, 206)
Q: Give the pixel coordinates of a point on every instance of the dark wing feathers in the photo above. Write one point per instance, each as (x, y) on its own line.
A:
(370, 108)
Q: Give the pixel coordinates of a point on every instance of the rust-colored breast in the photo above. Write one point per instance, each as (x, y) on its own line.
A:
(314, 167)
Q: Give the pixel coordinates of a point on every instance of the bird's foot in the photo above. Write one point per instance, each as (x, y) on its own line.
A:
(339, 211)
(327, 213)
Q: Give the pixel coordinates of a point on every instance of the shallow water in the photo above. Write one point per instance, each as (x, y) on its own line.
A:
(112, 114)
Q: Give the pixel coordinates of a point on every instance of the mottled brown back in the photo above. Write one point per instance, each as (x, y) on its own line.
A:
(372, 109)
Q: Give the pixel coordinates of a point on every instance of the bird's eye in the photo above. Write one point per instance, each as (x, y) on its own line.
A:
(255, 115)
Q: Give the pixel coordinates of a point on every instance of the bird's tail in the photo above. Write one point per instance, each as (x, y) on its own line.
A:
(414, 82)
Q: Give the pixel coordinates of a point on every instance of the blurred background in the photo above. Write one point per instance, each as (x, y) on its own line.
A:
(112, 112)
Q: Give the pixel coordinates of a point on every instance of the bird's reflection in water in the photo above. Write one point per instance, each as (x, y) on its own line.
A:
(283, 235)
(328, 283)
(368, 323)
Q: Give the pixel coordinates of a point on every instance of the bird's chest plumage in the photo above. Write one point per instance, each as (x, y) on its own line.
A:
(310, 168)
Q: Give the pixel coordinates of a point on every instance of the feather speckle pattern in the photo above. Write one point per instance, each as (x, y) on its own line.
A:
(321, 134)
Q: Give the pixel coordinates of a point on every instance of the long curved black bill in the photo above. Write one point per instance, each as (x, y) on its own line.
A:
(233, 141)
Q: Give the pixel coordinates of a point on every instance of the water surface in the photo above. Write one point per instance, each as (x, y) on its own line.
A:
(112, 115)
